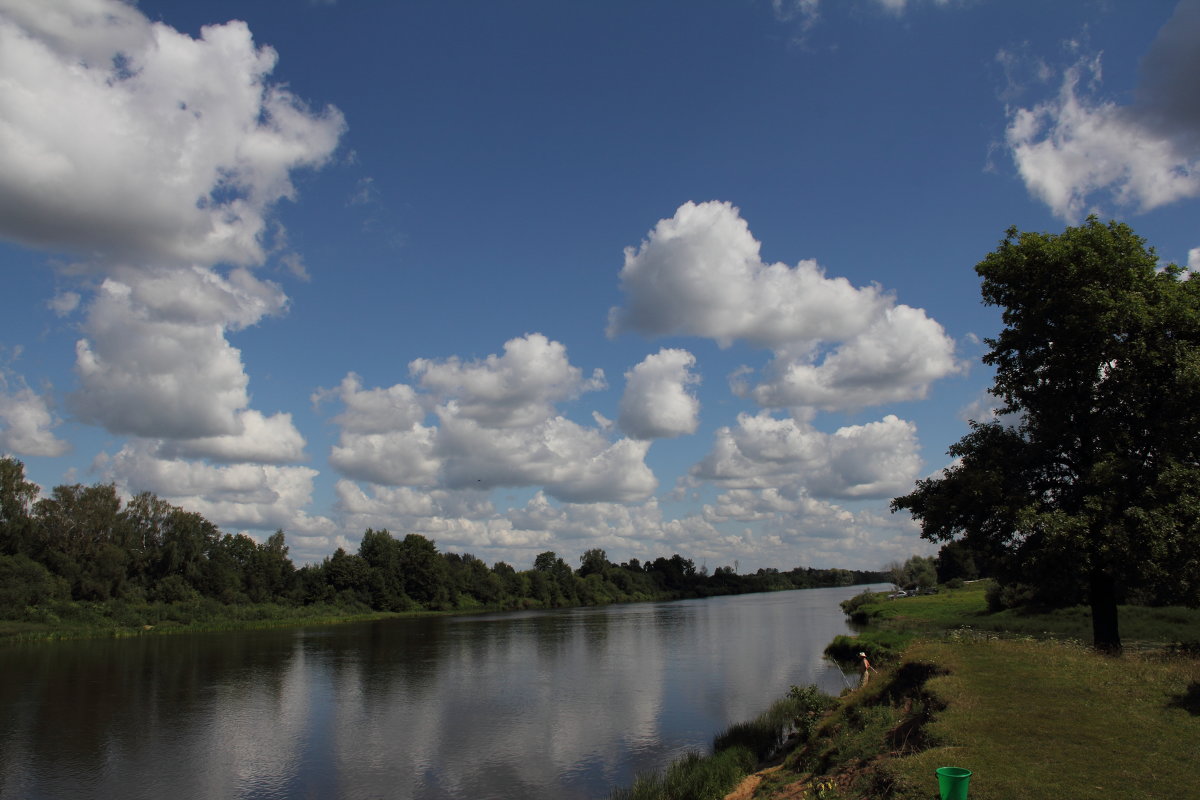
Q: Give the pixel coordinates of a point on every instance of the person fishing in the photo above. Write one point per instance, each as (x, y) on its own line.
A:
(867, 669)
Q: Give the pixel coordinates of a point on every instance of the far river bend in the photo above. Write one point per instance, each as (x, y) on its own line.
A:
(545, 705)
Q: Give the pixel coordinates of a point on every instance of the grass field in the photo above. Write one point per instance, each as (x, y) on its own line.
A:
(1019, 700)
(967, 607)
(1044, 719)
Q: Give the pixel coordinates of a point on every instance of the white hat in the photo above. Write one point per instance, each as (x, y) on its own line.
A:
(864, 655)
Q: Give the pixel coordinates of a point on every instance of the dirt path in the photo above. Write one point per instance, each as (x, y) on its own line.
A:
(745, 789)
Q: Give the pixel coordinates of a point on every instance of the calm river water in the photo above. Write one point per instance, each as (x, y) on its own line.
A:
(530, 705)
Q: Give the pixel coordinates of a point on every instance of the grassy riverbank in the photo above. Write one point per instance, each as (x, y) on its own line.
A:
(1016, 699)
(116, 619)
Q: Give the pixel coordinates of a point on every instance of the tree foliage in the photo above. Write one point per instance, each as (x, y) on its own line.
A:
(1087, 484)
(82, 544)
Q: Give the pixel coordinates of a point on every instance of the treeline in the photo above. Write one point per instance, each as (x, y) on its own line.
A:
(83, 544)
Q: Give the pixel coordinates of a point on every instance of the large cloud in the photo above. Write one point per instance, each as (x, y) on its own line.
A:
(496, 425)
(156, 362)
(656, 402)
(261, 439)
(156, 159)
(875, 460)
(122, 138)
(514, 389)
(792, 522)
(896, 357)
(1074, 149)
(700, 273)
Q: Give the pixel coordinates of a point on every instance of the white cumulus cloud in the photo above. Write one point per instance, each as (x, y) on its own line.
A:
(488, 423)
(1075, 149)
(26, 421)
(875, 460)
(895, 358)
(256, 496)
(261, 439)
(657, 402)
(122, 138)
(157, 159)
(835, 346)
(156, 362)
(513, 389)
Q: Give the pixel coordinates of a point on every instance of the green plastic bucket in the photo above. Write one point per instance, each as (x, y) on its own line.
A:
(952, 782)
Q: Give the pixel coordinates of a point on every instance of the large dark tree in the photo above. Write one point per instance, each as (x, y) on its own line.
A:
(1088, 481)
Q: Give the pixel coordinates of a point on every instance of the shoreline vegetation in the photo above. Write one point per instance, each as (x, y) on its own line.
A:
(1016, 698)
(82, 562)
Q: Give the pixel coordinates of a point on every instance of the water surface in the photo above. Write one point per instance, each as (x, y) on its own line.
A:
(552, 705)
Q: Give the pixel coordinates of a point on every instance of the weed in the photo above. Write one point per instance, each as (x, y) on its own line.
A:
(693, 777)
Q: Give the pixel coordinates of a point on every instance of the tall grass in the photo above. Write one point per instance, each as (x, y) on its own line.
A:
(737, 752)
(693, 777)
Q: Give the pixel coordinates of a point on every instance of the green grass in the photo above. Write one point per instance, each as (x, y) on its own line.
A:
(967, 607)
(1046, 719)
(77, 620)
(1018, 699)
(693, 777)
(736, 752)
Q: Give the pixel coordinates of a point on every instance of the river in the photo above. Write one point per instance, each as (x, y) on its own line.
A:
(545, 705)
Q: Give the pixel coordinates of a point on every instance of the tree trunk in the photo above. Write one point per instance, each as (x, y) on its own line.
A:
(1106, 636)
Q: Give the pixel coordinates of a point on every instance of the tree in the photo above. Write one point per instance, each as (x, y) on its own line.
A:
(1088, 480)
(915, 573)
(593, 562)
(424, 571)
(956, 560)
(382, 554)
(544, 562)
(17, 497)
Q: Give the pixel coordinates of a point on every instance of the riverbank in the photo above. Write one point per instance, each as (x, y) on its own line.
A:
(54, 620)
(1032, 716)
(117, 620)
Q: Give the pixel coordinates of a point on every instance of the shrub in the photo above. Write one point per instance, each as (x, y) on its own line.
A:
(175, 589)
(24, 582)
(881, 646)
(809, 703)
(693, 777)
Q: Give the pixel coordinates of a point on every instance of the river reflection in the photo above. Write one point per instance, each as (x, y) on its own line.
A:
(561, 704)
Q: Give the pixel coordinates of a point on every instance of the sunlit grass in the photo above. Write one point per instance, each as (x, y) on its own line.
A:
(1043, 719)
(1019, 699)
(967, 607)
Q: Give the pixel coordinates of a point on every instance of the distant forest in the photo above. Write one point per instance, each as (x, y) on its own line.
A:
(82, 544)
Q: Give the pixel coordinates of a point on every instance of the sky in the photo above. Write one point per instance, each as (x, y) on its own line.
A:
(652, 276)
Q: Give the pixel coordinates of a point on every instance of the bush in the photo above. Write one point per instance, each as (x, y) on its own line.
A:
(693, 777)
(1001, 597)
(24, 582)
(881, 647)
(809, 703)
(764, 735)
(175, 589)
(859, 600)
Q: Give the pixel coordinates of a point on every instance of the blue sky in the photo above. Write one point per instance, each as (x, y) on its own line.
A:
(664, 277)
